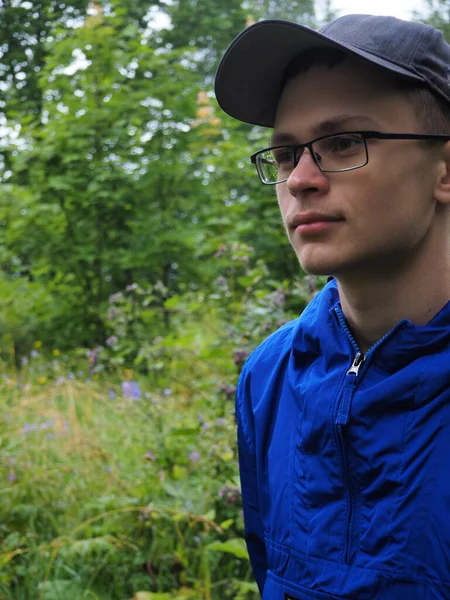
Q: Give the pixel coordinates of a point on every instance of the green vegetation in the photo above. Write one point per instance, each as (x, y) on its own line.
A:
(140, 262)
(118, 481)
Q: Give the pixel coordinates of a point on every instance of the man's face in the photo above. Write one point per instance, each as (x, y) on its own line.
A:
(382, 212)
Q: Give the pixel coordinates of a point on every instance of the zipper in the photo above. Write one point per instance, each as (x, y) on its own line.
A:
(343, 415)
(345, 401)
(342, 418)
(341, 421)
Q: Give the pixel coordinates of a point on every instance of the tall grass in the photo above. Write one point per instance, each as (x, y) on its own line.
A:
(113, 490)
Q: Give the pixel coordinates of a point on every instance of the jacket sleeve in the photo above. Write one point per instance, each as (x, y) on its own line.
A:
(254, 530)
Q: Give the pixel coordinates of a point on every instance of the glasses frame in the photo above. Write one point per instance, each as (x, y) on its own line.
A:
(256, 158)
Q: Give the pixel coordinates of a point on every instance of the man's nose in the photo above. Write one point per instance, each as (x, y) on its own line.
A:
(306, 176)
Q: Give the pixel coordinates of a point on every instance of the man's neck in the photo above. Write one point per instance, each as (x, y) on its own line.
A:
(374, 306)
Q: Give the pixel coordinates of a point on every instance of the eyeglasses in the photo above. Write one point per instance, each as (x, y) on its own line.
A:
(336, 153)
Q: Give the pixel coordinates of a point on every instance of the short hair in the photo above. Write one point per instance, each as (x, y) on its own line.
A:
(433, 112)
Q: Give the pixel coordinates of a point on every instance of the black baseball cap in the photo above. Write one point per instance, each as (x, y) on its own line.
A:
(249, 78)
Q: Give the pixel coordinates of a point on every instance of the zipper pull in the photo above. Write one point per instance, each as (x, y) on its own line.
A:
(345, 402)
(358, 362)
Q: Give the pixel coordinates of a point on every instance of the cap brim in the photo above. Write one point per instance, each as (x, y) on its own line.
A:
(248, 80)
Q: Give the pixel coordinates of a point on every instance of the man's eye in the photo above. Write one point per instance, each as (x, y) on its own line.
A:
(343, 143)
(283, 156)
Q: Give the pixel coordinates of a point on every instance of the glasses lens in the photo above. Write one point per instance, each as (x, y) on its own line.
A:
(341, 152)
(277, 164)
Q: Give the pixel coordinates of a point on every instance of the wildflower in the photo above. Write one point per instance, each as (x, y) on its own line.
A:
(149, 456)
(38, 344)
(130, 389)
(111, 341)
(132, 287)
(197, 539)
(239, 356)
(112, 313)
(311, 283)
(221, 421)
(115, 297)
(56, 352)
(229, 494)
(279, 298)
(167, 392)
(221, 251)
(80, 373)
(194, 456)
(34, 353)
(12, 476)
(188, 504)
(111, 394)
(93, 357)
(71, 376)
(228, 389)
(42, 379)
(24, 360)
(201, 418)
(60, 380)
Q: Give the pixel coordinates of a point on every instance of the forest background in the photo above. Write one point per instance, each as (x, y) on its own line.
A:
(141, 261)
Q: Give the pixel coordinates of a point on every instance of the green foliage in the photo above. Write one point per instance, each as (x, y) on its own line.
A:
(128, 484)
(125, 170)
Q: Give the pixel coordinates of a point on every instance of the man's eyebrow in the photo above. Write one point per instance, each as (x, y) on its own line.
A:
(329, 126)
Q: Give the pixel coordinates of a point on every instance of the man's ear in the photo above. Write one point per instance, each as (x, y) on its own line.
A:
(442, 187)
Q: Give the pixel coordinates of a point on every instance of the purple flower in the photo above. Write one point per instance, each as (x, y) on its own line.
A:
(240, 355)
(34, 353)
(12, 476)
(167, 392)
(24, 360)
(112, 394)
(130, 389)
(132, 287)
(93, 357)
(111, 341)
(112, 313)
(60, 380)
(221, 421)
(194, 456)
(197, 539)
(228, 389)
(230, 494)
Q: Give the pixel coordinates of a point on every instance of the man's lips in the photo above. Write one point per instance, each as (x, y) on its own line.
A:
(312, 217)
(313, 222)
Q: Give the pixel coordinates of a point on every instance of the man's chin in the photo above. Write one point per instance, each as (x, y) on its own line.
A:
(320, 267)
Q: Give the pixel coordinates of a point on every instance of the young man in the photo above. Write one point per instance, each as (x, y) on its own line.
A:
(344, 414)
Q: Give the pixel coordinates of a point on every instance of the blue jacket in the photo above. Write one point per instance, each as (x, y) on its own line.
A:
(345, 459)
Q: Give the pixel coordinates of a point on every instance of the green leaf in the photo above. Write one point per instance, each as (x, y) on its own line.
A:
(227, 524)
(235, 546)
